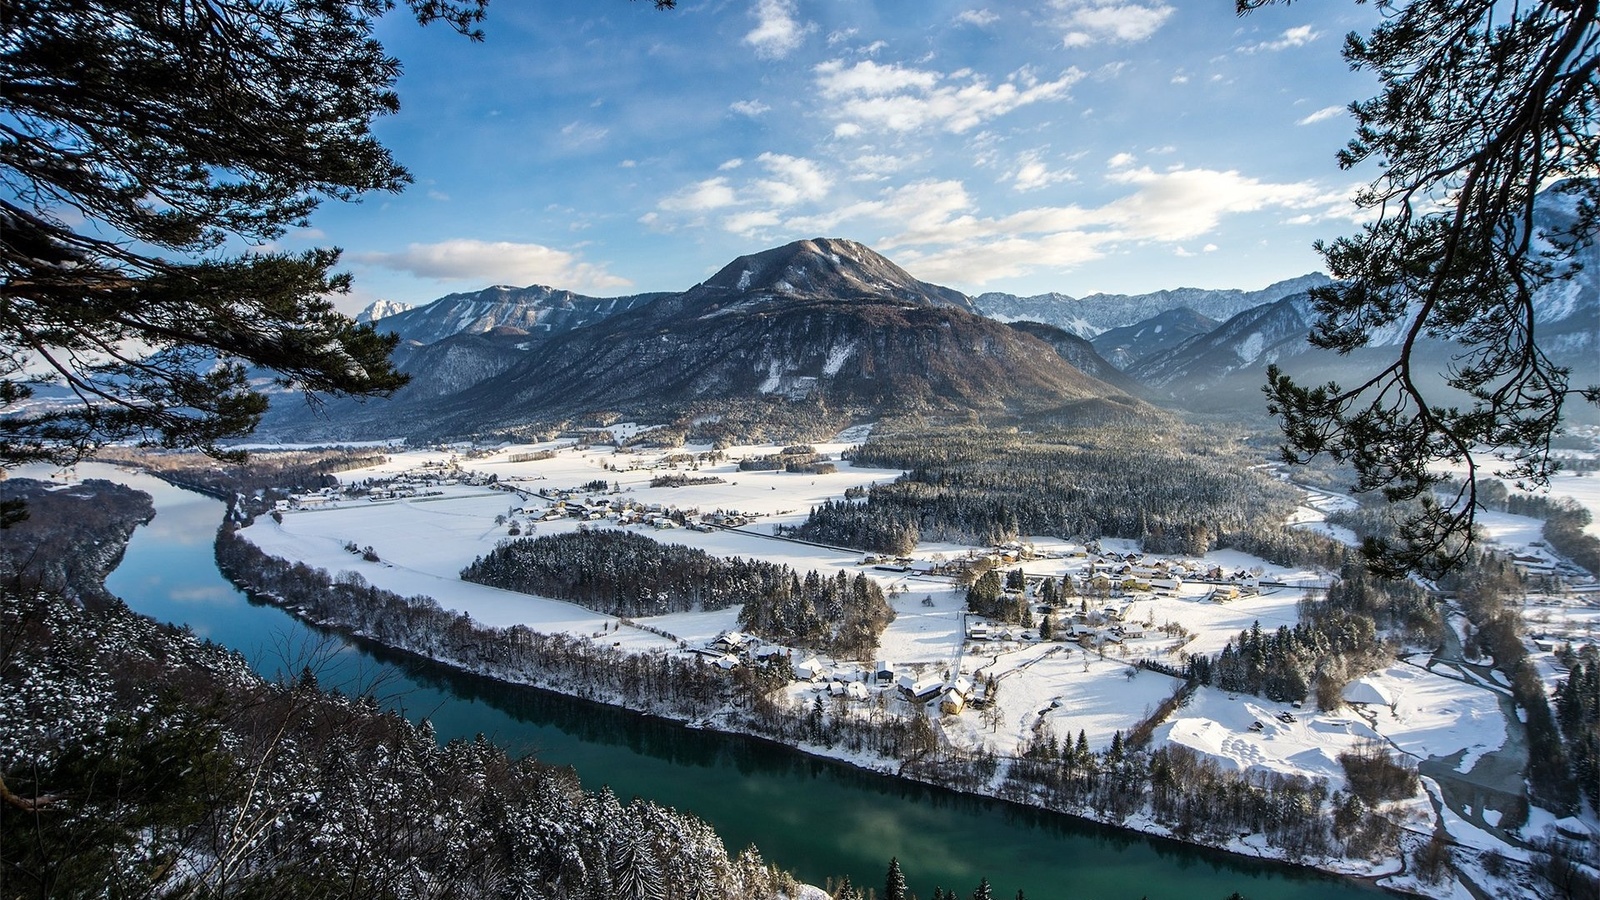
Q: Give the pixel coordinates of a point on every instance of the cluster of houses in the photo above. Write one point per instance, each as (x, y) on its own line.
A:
(849, 681)
(621, 511)
(423, 481)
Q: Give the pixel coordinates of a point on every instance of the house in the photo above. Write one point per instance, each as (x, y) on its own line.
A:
(726, 662)
(920, 688)
(883, 672)
(855, 690)
(1225, 594)
(951, 702)
(963, 685)
(732, 641)
(808, 669)
(978, 631)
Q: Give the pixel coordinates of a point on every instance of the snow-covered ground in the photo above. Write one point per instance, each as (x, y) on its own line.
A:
(1043, 687)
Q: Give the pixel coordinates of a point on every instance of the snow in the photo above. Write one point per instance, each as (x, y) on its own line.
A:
(1251, 347)
(837, 355)
(1219, 727)
(774, 377)
(1368, 691)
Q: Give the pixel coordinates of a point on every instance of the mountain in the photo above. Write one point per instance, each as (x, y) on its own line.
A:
(536, 310)
(381, 309)
(1081, 354)
(1098, 313)
(824, 332)
(1248, 342)
(1163, 331)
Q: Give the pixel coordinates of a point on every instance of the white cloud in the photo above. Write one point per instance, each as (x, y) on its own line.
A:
(1121, 160)
(751, 108)
(789, 182)
(1323, 114)
(869, 95)
(978, 17)
(794, 180)
(1031, 173)
(842, 35)
(712, 193)
(1298, 36)
(496, 262)
(777, 33)
(1174, 206)
(1099, 21)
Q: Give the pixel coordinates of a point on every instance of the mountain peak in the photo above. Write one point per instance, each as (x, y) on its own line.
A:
(829, 268)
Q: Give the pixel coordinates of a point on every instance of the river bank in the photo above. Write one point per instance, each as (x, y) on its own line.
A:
(594, 672)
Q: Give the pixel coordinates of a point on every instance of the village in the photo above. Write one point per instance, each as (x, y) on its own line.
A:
(1089, 662)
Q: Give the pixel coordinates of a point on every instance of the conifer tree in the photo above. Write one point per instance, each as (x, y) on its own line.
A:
(894, 883)
(1482, 107)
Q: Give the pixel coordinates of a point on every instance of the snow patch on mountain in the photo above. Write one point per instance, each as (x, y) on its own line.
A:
(837, 356)
(1251, 347)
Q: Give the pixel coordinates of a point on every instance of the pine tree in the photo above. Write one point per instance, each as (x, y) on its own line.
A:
(894, 883)
(984, 892)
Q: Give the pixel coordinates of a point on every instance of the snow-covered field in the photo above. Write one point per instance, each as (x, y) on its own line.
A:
(1042, 687)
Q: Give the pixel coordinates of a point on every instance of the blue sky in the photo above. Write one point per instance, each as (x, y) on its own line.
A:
(1071, 145)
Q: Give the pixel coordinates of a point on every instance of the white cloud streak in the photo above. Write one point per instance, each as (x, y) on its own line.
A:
(1107, 21)
(873, 96)
(497, 262)
(1322, 115)
(1298, 36)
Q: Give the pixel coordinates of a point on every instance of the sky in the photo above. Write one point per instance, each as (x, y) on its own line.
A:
(1077, 146)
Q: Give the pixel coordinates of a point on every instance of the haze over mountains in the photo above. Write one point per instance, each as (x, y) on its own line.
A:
(823, 333)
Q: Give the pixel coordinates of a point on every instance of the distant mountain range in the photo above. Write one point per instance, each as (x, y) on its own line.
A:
(1098, 313)
(816, 335)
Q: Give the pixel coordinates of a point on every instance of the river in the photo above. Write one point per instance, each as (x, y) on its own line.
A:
(818, 819)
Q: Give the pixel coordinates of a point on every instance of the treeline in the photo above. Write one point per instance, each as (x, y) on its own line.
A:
(1578, 712)
(986, 487)
(1339, 638)
(67, 540)
(986, 597)
(263, 470)
(626, 574)
(138, 761)
(1199, 800)
(1490, 590)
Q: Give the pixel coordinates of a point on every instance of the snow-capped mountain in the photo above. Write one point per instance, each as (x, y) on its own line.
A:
(536, 310)
(1123, 346)
(381, 309)
(1095, 314)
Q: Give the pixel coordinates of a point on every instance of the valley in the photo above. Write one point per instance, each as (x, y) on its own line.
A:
(423, 515)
